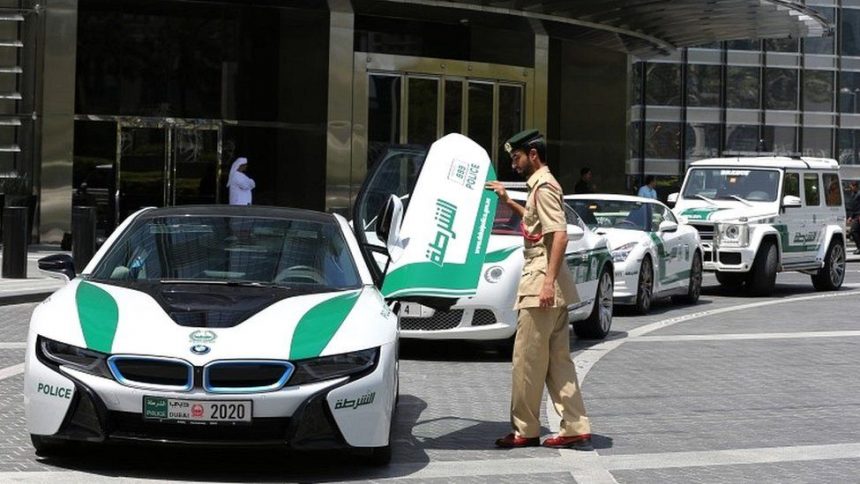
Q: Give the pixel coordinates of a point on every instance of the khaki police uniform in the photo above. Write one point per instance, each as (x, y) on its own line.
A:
(542, 345)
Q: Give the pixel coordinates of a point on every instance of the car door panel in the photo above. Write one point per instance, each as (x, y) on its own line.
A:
(446, 225)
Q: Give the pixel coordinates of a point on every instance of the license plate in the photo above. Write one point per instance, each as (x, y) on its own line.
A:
(415, 310)
(179, 410)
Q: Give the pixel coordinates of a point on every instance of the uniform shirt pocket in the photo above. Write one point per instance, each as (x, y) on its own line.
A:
(531, 281)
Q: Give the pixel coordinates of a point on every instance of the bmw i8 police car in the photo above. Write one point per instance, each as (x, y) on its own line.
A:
(248, 325)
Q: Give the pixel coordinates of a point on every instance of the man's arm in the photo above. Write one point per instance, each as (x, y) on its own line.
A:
(556, 256)
(504, 198)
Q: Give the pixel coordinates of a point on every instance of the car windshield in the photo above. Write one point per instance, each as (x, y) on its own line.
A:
(749, 185)
(617, 214)
(241, 250)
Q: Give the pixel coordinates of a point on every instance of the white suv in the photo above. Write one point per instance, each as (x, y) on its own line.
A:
(762, 215)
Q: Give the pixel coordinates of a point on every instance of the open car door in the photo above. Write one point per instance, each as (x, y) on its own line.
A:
(435, 256)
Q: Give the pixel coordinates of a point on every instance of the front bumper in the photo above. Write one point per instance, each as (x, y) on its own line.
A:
(726, 259)
(462, 323)
(626, 282)
(300, 417)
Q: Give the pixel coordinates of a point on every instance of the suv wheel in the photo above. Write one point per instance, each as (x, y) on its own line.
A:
(831, 275)
(694, 290)
(763, 273)
(598, 323)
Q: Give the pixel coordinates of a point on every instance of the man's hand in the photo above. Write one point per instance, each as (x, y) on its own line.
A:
(499, 189)
(547, 295)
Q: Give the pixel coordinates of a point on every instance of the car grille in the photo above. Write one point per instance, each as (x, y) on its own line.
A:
(152, 372)
(246, 376)
(441, 320)
(260, 431)
(483, 317)
(706, 231)
(730, 258)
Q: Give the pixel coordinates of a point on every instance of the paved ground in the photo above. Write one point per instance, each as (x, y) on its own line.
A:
(734, 389)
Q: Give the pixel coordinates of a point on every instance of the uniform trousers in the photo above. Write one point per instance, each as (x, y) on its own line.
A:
(542, 355)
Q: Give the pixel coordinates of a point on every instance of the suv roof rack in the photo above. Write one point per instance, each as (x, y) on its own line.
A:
(762, 154)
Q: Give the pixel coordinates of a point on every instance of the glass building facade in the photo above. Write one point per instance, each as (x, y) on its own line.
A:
(775, 95)
(124, 104)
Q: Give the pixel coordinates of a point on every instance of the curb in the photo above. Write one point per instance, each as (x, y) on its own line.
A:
(24, 298)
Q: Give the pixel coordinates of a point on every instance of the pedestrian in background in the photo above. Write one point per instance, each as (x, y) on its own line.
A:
(649, 189)
(852, 211)
(239, 183)
(584, 185)
(546, 288)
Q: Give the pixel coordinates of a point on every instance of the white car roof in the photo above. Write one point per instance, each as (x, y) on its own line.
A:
(799, 163)
(611, 196)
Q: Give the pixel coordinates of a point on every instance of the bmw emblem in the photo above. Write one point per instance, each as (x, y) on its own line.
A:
(200, 349)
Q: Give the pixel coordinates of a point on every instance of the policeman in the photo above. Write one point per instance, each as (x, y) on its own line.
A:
(542, 345)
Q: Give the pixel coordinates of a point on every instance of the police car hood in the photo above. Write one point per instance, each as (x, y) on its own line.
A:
(724, 211)
(120, 320)
(615, 238)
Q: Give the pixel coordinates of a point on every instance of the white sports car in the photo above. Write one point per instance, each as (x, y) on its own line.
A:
(246, 325)
(489, 314)
(654, 255)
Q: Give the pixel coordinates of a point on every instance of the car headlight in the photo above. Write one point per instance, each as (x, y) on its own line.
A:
(620, 253)
(335, 366)
(56, 354)
(731, 235)
(494, 274)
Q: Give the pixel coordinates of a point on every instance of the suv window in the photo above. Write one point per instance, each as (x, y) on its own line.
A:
(791, 185)
(833, 190)
(810, 189)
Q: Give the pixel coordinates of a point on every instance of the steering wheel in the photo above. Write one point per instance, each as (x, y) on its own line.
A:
(626, 222)
(300, 272)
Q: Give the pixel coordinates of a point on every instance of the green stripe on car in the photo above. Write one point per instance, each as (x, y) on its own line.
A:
(319, 325)
(98, 314)
(448, 280)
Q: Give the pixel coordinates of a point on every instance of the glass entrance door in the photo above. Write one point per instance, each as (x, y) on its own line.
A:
(142, 157)
(406, 103)
(165, 165)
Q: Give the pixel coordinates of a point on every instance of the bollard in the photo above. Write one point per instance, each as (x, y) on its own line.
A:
(15, 242)
(83, 236)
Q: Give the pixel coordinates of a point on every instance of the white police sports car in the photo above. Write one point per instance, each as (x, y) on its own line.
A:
(245, 325)
(488, 315)
(654, 255)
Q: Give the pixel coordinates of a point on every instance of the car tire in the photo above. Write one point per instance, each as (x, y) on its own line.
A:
(731, 280)
(694, 289)
(598, 323)
(47, 446)
(762, 277)
(832, 274)
(645, 287)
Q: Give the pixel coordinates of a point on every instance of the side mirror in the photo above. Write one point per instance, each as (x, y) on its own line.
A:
(667, 226)
(58, 266)
(673, 198)
(791, 201)
(574, 232)
(388, 225)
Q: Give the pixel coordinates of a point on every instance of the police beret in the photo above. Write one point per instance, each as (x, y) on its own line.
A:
(522, 140)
